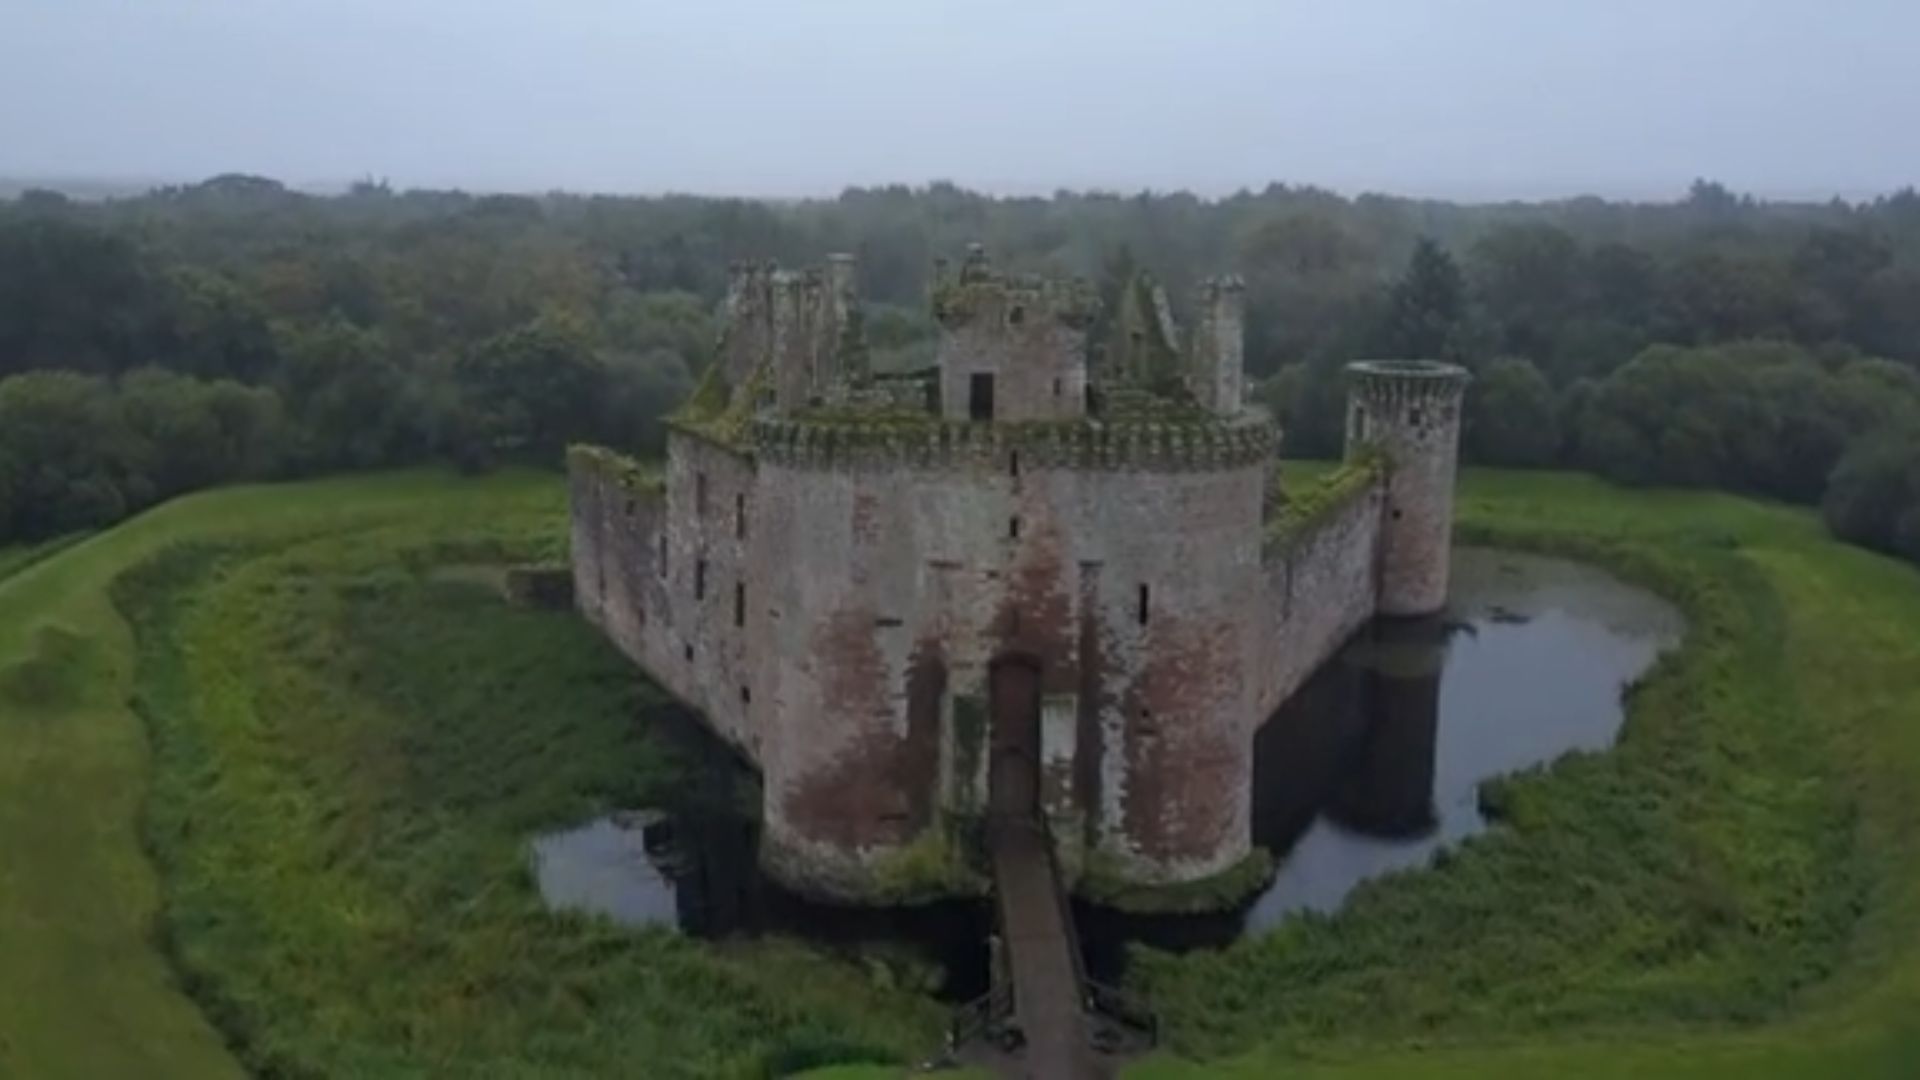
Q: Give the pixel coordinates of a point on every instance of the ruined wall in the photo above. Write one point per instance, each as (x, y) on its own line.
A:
(1217, 352)
(796, 323)
(659, 576)
(904, 578)
(616, 510)
(1320, 587)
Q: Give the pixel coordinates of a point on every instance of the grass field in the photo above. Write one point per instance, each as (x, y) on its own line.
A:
(348, 749)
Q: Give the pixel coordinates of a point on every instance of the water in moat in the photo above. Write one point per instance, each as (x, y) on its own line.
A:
(1372, 767)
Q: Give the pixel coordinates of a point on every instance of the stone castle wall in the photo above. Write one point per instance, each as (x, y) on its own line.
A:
(659, 576)
(905, 584)
(1319, 588)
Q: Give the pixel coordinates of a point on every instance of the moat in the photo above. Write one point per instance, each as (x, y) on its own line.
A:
(1372, 767)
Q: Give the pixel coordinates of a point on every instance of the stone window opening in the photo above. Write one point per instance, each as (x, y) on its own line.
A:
(1145, 605)
(700, 579)
(1016, 315)
(686, 650)
(700, 494)
(746, 695)
(1056, 387)
(739, 603)
(631, 507)
(980, 396)
(1013, 463)
(1013, 528)
(661, 561)
(1414, 416)
(740, 516)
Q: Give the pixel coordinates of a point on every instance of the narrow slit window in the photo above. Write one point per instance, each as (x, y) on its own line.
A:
(700, 580)
(1013, 528)
(1145, 605)
(1013, 463)
(739, 603)
(740, 516)
(1056, 388)
(700, 494)
(662, 559)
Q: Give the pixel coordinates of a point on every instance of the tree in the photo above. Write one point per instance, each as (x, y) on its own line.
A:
(1510, 417)
(535, 387)
(347, 393)
(1426, 308)
(69, 453)
(1526, 278)
(1874, 496)
(212, 328)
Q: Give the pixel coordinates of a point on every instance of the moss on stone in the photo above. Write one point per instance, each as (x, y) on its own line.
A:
(719, 412)
(634, 477)
(933, 866)
(1333, 492)
(1103, 882)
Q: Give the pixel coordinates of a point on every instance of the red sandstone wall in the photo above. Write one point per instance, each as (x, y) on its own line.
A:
(899, 585)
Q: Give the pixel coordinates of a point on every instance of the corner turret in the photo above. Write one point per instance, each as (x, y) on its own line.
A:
(1409, 410)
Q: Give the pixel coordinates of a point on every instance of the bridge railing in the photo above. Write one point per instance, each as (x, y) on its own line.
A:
(987, 1018)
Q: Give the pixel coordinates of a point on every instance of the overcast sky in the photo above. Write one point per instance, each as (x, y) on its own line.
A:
(1462, 98)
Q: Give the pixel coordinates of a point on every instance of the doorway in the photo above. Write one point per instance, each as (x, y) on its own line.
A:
(1013, 777)
(980, 396)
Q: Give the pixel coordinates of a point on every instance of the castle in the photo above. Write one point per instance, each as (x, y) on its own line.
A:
(876, 583)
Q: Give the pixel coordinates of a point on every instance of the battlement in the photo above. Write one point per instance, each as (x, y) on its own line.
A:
(1407, 381)
(903, 440)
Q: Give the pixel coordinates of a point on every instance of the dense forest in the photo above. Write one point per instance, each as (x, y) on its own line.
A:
(237, 329)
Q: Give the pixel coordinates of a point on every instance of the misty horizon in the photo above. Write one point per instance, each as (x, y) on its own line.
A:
(1489, 101)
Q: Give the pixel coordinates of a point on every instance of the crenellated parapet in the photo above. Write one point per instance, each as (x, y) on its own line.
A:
(912, 440)
(1387, 396)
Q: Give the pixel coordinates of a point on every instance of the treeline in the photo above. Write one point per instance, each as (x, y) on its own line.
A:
(237, 329)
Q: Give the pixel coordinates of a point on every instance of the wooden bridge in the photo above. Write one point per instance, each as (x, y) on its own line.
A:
(1042, 1017)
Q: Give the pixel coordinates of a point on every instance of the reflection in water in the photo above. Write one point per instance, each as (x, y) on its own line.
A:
(693, 864)
(1376, 762)
(1529, 663)
(1373, 766)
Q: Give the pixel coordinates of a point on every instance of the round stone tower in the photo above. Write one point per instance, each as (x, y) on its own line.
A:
(1410, 411)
